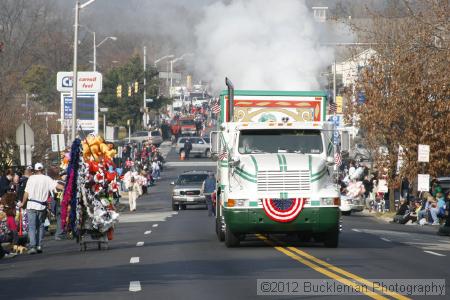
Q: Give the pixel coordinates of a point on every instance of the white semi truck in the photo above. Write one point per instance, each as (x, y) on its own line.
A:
(275, 166)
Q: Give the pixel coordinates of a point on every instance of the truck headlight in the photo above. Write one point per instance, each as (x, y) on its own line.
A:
(235, 202)
(330, 201)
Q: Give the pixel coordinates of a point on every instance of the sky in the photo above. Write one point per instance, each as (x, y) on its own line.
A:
(260, 44)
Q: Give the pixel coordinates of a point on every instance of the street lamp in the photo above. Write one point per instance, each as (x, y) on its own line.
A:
(95, 45)
(78, 7)
(162, 58)
(171, 68)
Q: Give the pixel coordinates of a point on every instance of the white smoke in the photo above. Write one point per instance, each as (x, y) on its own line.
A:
(261, 44)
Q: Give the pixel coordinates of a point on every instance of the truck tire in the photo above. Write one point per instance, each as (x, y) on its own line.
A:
(331, 239)
(231, 239)
(208, 153)
(220, 234)
(183, 206)
(346, 213)
(175, 207)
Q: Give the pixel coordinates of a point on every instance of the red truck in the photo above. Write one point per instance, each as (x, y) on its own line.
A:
(183, 126)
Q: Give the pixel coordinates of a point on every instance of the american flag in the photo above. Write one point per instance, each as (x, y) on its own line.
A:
(216, 108)
(338, 158)
(332, 108)
(283, 210)
(223, 155)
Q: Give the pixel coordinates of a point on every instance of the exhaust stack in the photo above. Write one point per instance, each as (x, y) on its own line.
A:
(230, 99)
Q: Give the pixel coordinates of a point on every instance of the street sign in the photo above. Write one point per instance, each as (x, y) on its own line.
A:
(58, 142)
(423, 182)
(87, 82)
(339, 104)
(336, 137)
(423, 153)
(25, 155)
(24, 134)
(87, 111)
(361, 98)
(167, 75)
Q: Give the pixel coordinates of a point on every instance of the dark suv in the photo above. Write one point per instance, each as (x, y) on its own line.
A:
(188, 189)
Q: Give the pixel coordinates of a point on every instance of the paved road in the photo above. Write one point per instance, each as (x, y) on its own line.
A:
(162, 254)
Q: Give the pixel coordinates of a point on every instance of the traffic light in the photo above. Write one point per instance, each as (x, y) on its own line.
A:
(129, 91)
(136, 87)
(119, 91)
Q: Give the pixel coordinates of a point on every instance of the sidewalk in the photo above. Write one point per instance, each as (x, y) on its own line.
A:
(386, 218)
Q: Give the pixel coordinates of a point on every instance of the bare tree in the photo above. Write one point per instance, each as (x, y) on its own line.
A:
(407, 89)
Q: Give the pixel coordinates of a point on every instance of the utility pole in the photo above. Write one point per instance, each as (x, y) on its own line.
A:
(75, 77)
(167, 77)
(145, 83)
(95, 52)
(75, 63)
(334, 82)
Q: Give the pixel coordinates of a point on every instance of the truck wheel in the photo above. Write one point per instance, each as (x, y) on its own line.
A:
(346, 213)
(183, 206)
(208, 153)
(231, 239)
(175, 207)
(331, 239)
(220, 234)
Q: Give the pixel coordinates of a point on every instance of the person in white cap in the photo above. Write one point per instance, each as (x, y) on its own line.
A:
(35, 201)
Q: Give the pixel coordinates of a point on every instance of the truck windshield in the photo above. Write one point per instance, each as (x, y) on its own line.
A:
(280, 140)
(187, 122)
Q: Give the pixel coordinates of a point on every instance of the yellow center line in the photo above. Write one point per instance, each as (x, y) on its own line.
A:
(314, 263)
(348, 274)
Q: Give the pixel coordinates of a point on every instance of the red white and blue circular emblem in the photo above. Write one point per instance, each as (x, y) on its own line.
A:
(283, 210)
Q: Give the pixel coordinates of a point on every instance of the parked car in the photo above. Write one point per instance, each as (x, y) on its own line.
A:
(187, 189)
(155, 138)
(199, 146)
(138, 137)
(349, 205)
(444, 182)
(360, 153)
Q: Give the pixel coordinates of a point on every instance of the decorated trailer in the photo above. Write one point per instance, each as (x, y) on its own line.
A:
(274, 166)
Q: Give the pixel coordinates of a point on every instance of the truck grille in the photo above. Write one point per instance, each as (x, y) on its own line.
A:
(274, 181)
(190, 193)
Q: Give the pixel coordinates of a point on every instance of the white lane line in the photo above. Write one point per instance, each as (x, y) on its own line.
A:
(175, 213)
(155, 225)
(385, 239)
(140, 244)
(134, 260)
(356, 230)
(148, 232)
(434, 253)
(135, 286)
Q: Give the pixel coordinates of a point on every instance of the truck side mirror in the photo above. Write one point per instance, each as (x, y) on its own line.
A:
(234, 162)
(214, 138)
(345, 141)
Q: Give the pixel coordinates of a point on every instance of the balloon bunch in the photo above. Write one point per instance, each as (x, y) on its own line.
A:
(94, 147)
